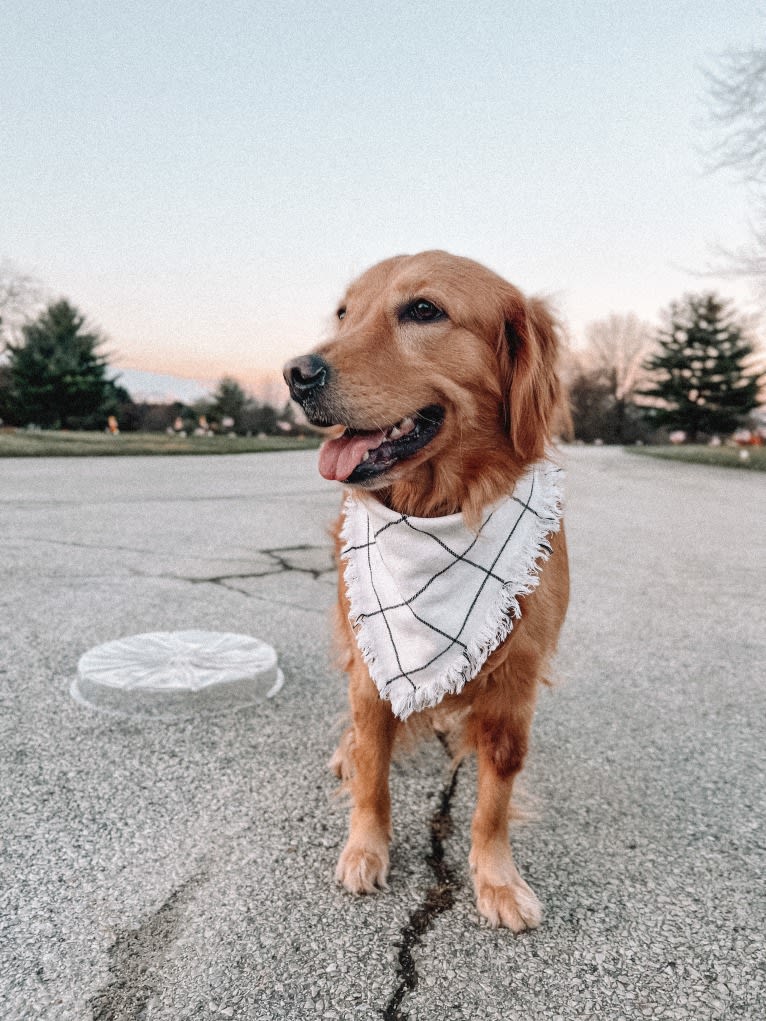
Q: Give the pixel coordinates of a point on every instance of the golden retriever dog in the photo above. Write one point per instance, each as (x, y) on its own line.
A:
(439, 390)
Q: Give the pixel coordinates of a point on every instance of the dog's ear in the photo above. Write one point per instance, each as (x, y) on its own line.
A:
(533, 394)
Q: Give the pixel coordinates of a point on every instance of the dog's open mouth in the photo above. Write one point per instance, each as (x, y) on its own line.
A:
(361, 456)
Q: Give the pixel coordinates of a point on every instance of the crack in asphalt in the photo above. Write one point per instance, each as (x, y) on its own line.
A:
(270, 598)
(440, 897)
(136, 955)
(280, 557)
(284, 562)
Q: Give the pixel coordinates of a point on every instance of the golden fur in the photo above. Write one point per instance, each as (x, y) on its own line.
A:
(490, 363)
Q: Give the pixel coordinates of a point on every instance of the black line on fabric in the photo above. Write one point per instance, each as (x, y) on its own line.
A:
(457, 560)
(425, 666)
(436, 629)
(541, 517)
(402, 517)
(452, 553)
(371, 542)
(388, 628)
(366, 616)
(351, 549)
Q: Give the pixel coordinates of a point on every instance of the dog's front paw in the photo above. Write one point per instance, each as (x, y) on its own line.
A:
(512, 906)
(362, 869)
(502, 896)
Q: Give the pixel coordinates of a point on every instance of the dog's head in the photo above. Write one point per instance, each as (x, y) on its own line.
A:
(439, 380)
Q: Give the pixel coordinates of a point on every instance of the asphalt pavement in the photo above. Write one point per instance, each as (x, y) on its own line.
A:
(156, 870)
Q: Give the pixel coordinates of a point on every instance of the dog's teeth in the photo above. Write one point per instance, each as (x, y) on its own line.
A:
(366, 456)
(394, 432)
(406, 426)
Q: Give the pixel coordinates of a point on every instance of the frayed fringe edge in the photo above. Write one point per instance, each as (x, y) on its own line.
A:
(499, 625)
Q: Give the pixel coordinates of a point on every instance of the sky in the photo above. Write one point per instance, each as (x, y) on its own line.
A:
(203, 179)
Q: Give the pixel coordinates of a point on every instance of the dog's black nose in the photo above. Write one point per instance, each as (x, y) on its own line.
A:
(305, 374)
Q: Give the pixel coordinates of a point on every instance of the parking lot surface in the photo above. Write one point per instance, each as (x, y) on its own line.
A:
(170, 869)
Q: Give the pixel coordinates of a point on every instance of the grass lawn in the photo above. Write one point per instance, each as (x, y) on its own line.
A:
(97, 444)
(726, 457)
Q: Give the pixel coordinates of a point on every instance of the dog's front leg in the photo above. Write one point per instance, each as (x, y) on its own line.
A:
(363, 864)
(500, 735)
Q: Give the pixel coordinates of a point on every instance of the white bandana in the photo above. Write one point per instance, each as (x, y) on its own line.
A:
(430, 599)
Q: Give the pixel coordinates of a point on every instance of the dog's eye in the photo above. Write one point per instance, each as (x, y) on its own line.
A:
(341, 313)
(423, 311)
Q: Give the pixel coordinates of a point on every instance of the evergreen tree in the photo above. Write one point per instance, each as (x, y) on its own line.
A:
(57, 377)
(701, 382)
(229, 401)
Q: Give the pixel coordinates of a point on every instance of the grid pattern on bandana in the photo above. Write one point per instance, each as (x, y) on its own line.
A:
(484, 574)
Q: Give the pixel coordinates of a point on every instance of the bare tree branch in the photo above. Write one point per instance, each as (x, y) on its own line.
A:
(616, 347)
(737, 105)
(22, 297)
(737, 93)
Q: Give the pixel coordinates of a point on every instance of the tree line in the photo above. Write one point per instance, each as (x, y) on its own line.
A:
(56, 376)
(694, 374)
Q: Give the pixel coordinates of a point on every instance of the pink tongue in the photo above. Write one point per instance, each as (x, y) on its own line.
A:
(338, 458)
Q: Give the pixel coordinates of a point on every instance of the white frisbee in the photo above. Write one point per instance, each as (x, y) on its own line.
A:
(177, 673)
